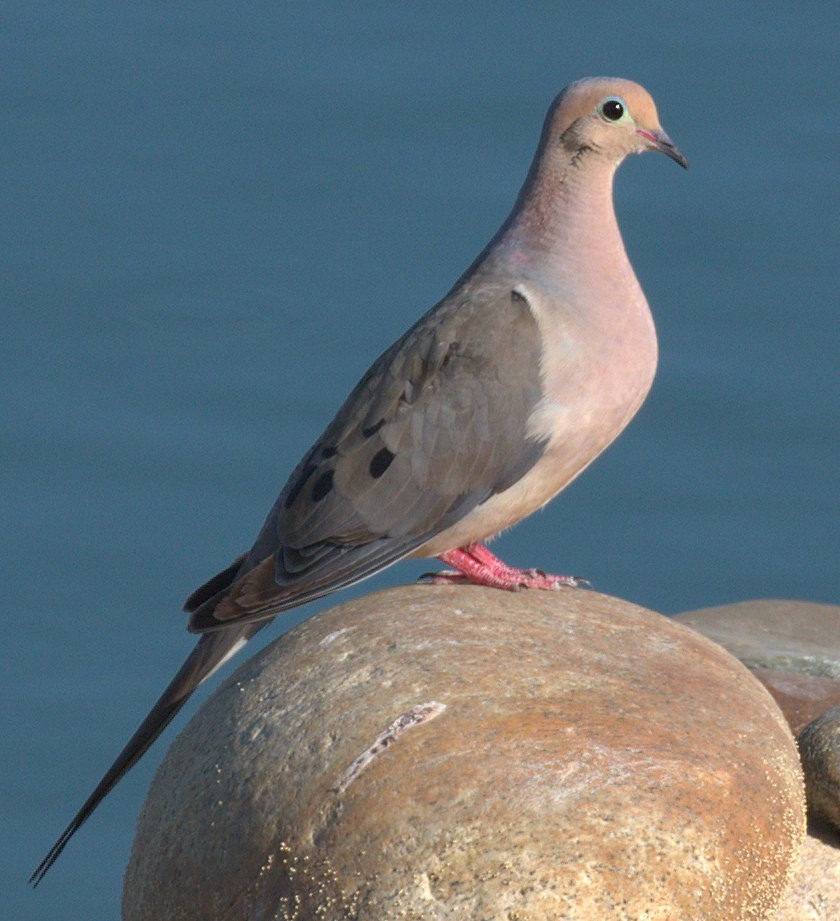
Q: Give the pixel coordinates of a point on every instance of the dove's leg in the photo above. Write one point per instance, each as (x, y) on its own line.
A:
(475, 563)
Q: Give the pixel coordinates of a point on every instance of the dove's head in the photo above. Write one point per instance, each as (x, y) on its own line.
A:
(609, 117)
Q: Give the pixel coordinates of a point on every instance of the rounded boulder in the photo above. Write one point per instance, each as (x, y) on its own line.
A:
(453, 752)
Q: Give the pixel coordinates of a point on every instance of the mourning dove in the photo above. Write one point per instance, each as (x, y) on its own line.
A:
(482, 412)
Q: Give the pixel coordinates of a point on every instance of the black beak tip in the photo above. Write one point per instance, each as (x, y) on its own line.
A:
(681, 159)
(672, 151)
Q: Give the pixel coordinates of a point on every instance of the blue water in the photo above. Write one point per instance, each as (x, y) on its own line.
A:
(214, 216)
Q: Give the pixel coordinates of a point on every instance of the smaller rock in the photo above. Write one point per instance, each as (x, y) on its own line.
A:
(801, 697)
(792, 647)
(819, 749)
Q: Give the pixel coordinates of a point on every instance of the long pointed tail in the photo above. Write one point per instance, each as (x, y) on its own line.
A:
(211, 651)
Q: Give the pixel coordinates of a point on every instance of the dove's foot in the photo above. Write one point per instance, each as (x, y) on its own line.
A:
(477, 565)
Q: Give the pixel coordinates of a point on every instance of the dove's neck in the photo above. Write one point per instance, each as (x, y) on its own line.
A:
(563, 246)
(564, 225)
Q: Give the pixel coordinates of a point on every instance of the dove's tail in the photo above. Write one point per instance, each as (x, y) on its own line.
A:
(211, 652)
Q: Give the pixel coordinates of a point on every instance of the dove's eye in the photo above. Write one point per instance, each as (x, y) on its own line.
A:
(613, 109)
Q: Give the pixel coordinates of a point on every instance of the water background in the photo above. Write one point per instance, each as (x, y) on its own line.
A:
(214, 216)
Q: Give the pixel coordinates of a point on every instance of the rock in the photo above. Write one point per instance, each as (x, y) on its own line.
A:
(796, 637)
(453, 752)
(819, 747)
(814, 892)
(793, 648)
(802, 697)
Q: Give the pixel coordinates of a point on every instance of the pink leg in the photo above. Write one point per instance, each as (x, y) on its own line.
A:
(476, 564)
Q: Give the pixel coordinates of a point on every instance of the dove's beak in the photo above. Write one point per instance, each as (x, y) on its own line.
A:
(660, 141)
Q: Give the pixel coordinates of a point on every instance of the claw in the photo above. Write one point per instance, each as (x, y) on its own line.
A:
(476, 564)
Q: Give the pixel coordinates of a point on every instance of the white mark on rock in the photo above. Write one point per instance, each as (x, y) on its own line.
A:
(332, 637)
(418, 714)
(424, 887)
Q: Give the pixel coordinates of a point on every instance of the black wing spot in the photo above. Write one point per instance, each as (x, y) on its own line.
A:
(294, 492)
(380, 463)
(328, 451)
(370, 430)
(322, 486)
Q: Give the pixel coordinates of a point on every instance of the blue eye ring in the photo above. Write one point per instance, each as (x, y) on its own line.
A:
(613, 109)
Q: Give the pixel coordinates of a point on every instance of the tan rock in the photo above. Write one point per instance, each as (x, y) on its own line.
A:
(439, 752)
(783, 636)
(814, 893)
(802, 697)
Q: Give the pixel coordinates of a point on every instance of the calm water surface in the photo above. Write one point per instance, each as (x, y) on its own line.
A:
(215, 216)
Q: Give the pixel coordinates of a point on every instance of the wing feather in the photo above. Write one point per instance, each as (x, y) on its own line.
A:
(436, 426)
